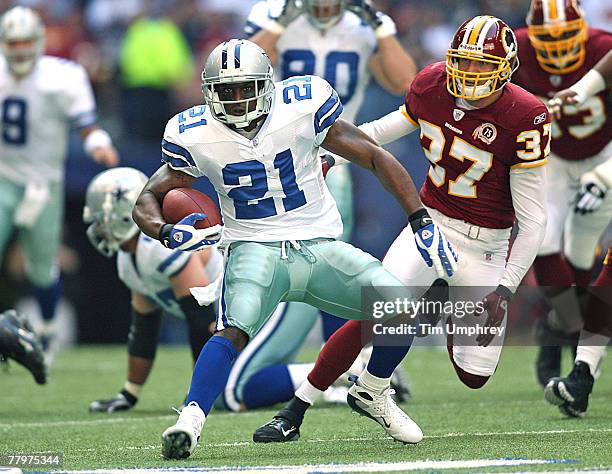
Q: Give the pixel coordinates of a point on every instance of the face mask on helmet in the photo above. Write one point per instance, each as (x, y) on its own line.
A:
(558, 33)
(109, 201)
(237, 83)
(21, 39)
(481, 58)
(323, 14)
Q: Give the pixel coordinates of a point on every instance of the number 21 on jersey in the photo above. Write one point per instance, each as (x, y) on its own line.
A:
(249, 200)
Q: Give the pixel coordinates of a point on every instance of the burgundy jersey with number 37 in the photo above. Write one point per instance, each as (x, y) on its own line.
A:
(583, 130)
(472, 151)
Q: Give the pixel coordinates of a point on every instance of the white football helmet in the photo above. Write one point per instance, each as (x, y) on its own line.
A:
(109, 201)
(238, 61)
(22, 39)
(323, 14)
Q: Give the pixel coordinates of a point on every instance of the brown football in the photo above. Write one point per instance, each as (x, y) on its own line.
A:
(180, 202)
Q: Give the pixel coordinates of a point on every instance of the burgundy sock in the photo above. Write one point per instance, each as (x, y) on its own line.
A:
(554, 273)
(339, 353)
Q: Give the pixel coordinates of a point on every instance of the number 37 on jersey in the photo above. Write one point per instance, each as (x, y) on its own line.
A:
(450, 153)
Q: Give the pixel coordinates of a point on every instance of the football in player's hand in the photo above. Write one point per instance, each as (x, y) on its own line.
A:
(180, 202)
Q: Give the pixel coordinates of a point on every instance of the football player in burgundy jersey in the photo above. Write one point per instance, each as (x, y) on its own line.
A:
(487, 141)
(571, 393)
(555, 50)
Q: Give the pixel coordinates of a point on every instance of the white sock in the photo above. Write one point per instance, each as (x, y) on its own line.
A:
(308, 393)
(373, 383)
(594, 351)
(298, 373)
(132, 388)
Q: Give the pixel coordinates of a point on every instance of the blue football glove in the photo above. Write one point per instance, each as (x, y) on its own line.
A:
(432, 244)
(184, 236)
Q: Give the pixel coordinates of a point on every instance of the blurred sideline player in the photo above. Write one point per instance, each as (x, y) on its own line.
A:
(158, 278)
(345, 42)
(555, 50)
(258, 142)
(41, 98)
(571, 393)
(487, 140)
(19, 342)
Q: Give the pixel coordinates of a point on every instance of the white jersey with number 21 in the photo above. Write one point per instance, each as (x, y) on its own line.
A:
(271, 187)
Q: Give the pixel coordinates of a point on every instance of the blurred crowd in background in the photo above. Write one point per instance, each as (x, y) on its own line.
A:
(144, 58)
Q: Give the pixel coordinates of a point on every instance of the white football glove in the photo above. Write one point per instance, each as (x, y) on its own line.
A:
(382, 24)
(282, 13)
(591, 194)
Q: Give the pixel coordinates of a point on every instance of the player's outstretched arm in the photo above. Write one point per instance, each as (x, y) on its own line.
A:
(147, 211)
(346, 140)
(596, 80)
(392, 66)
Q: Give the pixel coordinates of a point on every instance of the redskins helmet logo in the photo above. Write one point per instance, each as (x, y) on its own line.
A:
(508, 40)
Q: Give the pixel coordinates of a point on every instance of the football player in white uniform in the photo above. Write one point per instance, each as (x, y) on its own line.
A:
(346, 43)
(158, 278)
(41, 97)
(258, 142)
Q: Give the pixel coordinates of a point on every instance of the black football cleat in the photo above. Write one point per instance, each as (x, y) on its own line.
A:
(20, 343)
(121, 402)
(571, 394)
(284, 427)
(548, 364)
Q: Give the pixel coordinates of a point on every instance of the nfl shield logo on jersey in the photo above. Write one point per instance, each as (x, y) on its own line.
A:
(486, 132)
(458, 114)
(555, 80)
(178, 237)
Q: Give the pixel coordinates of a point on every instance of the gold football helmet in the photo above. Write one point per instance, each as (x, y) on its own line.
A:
(558, 33)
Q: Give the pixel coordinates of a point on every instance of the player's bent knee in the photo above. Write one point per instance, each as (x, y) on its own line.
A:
(236, 336)
(468, 379)
(471, 380)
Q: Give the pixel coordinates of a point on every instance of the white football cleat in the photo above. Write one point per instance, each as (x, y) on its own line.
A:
(180, 440)
(383, 410)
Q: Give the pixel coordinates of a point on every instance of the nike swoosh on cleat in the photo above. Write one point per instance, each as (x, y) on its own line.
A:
(387, 425)
(285, 433)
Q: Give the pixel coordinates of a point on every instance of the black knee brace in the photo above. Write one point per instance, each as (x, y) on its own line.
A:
(144, 334)
(198, 319)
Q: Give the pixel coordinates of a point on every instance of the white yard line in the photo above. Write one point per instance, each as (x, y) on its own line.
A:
(332, 468)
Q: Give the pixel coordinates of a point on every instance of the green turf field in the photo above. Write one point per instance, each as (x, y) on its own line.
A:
(506, 419)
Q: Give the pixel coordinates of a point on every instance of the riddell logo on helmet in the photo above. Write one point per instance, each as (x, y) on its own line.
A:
(470, 47)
